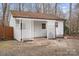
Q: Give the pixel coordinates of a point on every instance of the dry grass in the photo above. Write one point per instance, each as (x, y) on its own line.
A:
(40, 47)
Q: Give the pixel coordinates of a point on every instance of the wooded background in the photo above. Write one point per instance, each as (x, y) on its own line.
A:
(67, 11)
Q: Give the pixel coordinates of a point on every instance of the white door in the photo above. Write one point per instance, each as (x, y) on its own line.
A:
(26, 29)
(51, 29)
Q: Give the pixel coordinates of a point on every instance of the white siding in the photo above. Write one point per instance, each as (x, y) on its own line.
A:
(60, 29)
(51, 29)
(38, 31)
(28, 31)
(33, 28)
(12, 21)
(17, 33)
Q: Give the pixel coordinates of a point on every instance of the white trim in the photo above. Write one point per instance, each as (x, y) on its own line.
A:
(32, 19)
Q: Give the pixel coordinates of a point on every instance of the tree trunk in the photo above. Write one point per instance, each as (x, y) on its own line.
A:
(70, 18)
(55, 8)
(77, 24)
(4, 15)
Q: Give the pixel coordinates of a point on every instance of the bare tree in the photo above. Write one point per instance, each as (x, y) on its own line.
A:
(4, 6)
(55, 8)
(39, 7)
(77, 13)
(70, 17)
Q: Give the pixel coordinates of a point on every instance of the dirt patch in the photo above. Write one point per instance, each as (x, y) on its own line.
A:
(40, 47)
(72, 37)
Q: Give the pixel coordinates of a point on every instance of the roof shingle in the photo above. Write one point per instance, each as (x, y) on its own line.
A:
(35, 15)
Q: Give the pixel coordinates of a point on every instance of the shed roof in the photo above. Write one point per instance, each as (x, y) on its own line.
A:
(35, 15)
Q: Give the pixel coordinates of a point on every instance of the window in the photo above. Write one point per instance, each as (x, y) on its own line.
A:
(56, 24)
(43, 26)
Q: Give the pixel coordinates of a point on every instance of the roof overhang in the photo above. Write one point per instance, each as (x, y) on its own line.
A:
(35, 15)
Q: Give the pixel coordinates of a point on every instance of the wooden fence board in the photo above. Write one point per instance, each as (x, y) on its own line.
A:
(8, 33)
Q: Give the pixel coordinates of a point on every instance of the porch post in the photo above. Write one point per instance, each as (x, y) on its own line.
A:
(21, 29)
(32, 30)
(51, 29)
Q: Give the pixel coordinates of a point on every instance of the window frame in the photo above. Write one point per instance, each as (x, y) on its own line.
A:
(43, 25)
(56, 24)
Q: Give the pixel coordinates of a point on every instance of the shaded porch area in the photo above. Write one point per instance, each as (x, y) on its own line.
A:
(37, 28)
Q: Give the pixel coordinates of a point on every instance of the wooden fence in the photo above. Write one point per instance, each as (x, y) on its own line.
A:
(8, 33)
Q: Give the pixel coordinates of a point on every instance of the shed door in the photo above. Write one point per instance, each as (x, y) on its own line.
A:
(25, 29)
(50, 29)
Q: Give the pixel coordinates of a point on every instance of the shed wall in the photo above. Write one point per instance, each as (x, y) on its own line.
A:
(60, 29)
